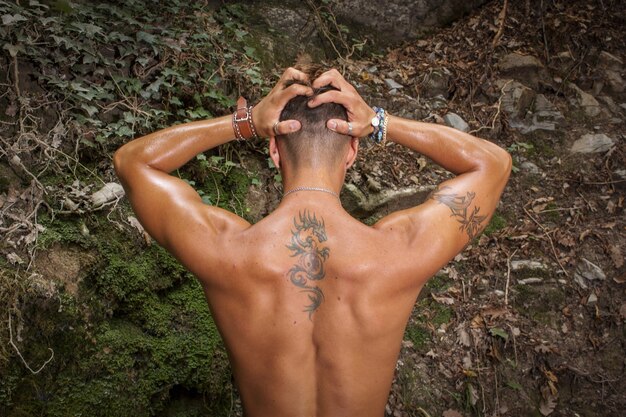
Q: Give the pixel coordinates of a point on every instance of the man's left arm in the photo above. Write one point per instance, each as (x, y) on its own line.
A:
(169, 209)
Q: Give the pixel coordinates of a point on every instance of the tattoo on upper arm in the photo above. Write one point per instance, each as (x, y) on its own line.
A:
(471, 221)
(307, 237)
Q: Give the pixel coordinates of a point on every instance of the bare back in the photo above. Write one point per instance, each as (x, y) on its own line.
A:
(312, 307)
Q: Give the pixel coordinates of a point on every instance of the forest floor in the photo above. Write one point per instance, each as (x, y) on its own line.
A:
(527, 321)
(510, 327)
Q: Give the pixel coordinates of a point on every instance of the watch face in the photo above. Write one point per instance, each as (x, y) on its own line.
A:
(375, 121)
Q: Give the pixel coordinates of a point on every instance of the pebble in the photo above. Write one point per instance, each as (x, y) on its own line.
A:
(392, 84)
(456, 121)
(592, 143)
(527, 264)
(593, 298)
(530, 167)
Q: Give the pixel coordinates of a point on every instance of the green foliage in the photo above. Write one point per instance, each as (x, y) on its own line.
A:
(131, 68)
(427, 315)
(418, 335)
(139, 327)
(497, 222)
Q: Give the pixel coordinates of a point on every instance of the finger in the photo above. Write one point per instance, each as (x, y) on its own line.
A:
(295, 90)
(287, 126)
(332, 96)
(339, 126)
(332, 77)
(294, 74)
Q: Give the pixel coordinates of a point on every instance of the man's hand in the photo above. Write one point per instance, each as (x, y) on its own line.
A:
(266, 114)
(359, 113)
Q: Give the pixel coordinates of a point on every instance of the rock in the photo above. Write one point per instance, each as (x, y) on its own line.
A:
(586, 101)
(456, 121)
(358, 204)
(393, 85)
(607, 74)
(373, 185)
(111, 191)
(592, 299)
(525, 68)
(614, 81)
(527, 264)
(438, 102)
(530, 167)
(590, 271)
(610, 104)
(532, 280)
(436, 82)
(610, 61)
(543, 116)
(592, 143)
(517, 99)
(399, 20)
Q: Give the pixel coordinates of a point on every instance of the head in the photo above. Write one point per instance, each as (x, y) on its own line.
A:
(314, 146)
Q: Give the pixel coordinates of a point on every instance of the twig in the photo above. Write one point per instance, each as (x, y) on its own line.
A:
(424, 412)
(495, 117)
(546, 233)
(543, 30)
(508, 278)
(502, 18)
(20, 354)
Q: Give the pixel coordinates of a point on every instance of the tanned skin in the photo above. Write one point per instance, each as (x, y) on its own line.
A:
(312, 304)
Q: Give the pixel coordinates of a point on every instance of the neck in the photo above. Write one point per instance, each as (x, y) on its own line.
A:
(324, 180)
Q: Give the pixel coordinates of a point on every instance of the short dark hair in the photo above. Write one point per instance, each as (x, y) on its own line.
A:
(314, 144)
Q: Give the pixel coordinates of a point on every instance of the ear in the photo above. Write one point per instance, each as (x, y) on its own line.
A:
(353, 150)
(274, 154)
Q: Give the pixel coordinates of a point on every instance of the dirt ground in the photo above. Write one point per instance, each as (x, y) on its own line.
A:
(490, 335)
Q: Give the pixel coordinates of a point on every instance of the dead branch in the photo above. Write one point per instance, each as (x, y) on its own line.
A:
(12, 343)
(502, 18)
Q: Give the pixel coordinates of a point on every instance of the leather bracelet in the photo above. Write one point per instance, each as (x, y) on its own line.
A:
(243, 124)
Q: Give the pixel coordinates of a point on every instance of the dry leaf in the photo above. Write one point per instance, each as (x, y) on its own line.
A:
(616, 256)
(443, 300)
(452, 413)
(548, 402)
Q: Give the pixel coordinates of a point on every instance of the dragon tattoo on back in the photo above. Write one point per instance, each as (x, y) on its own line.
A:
(307, 237)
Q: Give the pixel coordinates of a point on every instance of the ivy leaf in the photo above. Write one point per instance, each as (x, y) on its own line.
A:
(13, 49)
(146, 37)
(496, 331)
(250, 51)
(8, 19)
(91, 110)
(87, 28)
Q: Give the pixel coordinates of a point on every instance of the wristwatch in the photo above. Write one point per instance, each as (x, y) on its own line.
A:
(375, 121)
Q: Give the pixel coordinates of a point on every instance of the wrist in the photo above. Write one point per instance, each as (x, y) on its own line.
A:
(379, 125)
(243, 122)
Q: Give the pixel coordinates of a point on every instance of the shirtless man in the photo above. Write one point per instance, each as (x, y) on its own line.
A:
(312, 304)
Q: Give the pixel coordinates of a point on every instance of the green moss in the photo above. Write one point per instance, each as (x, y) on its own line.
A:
(438, 282)
(417, 334)
(497, 222)
(442, 314)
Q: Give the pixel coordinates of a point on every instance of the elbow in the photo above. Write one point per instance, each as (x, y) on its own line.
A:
(118, 161)
(497, 163)
(503, 164)
(121, 162)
